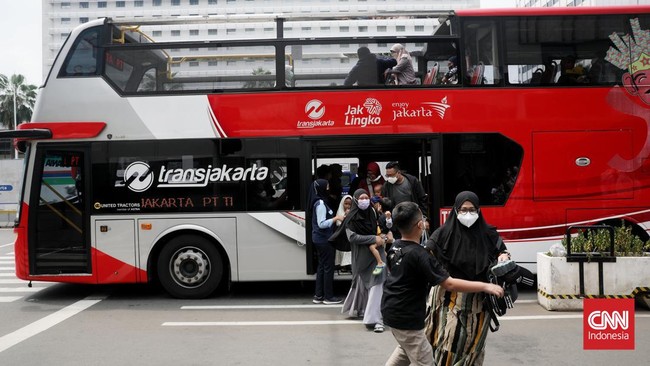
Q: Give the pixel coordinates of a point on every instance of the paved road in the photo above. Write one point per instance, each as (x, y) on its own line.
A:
(255, 324)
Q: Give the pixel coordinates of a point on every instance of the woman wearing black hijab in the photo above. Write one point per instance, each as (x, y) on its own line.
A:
(322, 224)
(364, 297)
(467, 246)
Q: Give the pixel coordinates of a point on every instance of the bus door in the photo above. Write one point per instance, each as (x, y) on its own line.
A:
(59, 243)
(418, 155)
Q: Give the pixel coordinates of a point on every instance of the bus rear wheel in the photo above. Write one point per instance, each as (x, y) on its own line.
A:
(190, 267)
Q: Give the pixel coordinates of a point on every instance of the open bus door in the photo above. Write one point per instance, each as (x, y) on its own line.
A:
(58, 238)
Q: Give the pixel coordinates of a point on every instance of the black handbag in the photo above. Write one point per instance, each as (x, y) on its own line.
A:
(339, 240)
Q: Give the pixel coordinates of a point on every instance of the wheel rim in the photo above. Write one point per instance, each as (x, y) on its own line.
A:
(189, 267)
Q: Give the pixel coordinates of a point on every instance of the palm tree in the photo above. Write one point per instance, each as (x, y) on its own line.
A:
(260, 83)
(25, 95)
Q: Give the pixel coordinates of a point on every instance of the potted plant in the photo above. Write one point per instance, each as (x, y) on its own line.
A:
(600, 261)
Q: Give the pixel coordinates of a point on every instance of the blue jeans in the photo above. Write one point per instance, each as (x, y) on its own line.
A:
(325, 271)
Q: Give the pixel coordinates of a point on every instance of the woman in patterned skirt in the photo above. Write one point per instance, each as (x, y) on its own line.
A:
(467, 246)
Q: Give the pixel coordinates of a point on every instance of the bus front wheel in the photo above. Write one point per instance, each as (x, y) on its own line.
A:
(190, 267)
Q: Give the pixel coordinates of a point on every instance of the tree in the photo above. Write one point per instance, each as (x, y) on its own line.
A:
(259, 83)
(25, 98)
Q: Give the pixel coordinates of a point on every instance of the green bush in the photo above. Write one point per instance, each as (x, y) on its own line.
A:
(593, 241)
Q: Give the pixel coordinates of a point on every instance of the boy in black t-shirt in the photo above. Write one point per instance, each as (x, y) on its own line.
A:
(412, 270)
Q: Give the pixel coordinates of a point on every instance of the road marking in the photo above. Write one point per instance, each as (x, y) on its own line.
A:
(9, 298)
(7, 261)
(7, 275)
(13, 282)
(45, 323)
(526, 302)
(552, 317)
(6, 245)
(246, 307)
(21, 289)
(7, 268)
(273, 323)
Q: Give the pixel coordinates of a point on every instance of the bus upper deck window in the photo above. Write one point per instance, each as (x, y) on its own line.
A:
(82, 59)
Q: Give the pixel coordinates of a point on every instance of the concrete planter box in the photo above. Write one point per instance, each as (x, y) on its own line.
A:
(558, 281)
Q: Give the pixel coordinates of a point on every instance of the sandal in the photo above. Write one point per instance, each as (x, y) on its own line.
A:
(378, 269)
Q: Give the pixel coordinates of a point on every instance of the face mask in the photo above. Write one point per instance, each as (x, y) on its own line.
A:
(391, 180)
(363, 204)
(468, 219)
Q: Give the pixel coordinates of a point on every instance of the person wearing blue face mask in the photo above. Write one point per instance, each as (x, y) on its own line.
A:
(362, 229)
(467, 247)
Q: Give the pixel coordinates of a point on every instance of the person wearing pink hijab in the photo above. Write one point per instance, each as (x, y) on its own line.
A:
(373, 178)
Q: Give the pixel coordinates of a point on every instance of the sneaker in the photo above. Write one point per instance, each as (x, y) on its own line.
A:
(317, 300)
(378, 269)
(379, 328)
(332, 301)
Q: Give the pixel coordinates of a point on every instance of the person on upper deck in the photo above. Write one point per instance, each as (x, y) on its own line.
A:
(369, 70)
(403, 72)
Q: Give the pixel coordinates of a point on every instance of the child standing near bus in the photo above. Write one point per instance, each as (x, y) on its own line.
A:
(382, 206)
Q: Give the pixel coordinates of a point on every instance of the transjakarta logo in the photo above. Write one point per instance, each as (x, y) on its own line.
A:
(608, 323)
(315, 109)
(138, 176)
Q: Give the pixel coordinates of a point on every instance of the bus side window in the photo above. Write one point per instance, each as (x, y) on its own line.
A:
(482, 59)
(82, 59)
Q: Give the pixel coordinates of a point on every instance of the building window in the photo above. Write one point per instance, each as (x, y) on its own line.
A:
(212, 2)
(419, 28)
(120, 4)
(176, 2)
(65, 20)
(83, 5)
(194, 63)
(363, 29)
(194, 32)
(65, 5)
(212, 32)
(138, 3)
(194, 2)
(305, 29)
(325, 29)
(212, 63)
(249, 30)
(176, 33)
(381, 28)
(83, 20)
(156, 33)
(344, 29)
(101, 4)
(230, 31)
(156, 2)
(400, 28)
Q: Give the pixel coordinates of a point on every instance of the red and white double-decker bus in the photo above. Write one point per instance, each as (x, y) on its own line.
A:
(153, 157)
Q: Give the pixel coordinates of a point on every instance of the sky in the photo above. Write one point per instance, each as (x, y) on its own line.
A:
(21, 43)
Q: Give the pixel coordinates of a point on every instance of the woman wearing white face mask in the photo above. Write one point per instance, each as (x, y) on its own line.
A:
(362, 229)
(467, 246)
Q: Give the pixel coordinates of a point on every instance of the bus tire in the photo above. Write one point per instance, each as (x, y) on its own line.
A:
(190, 267)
